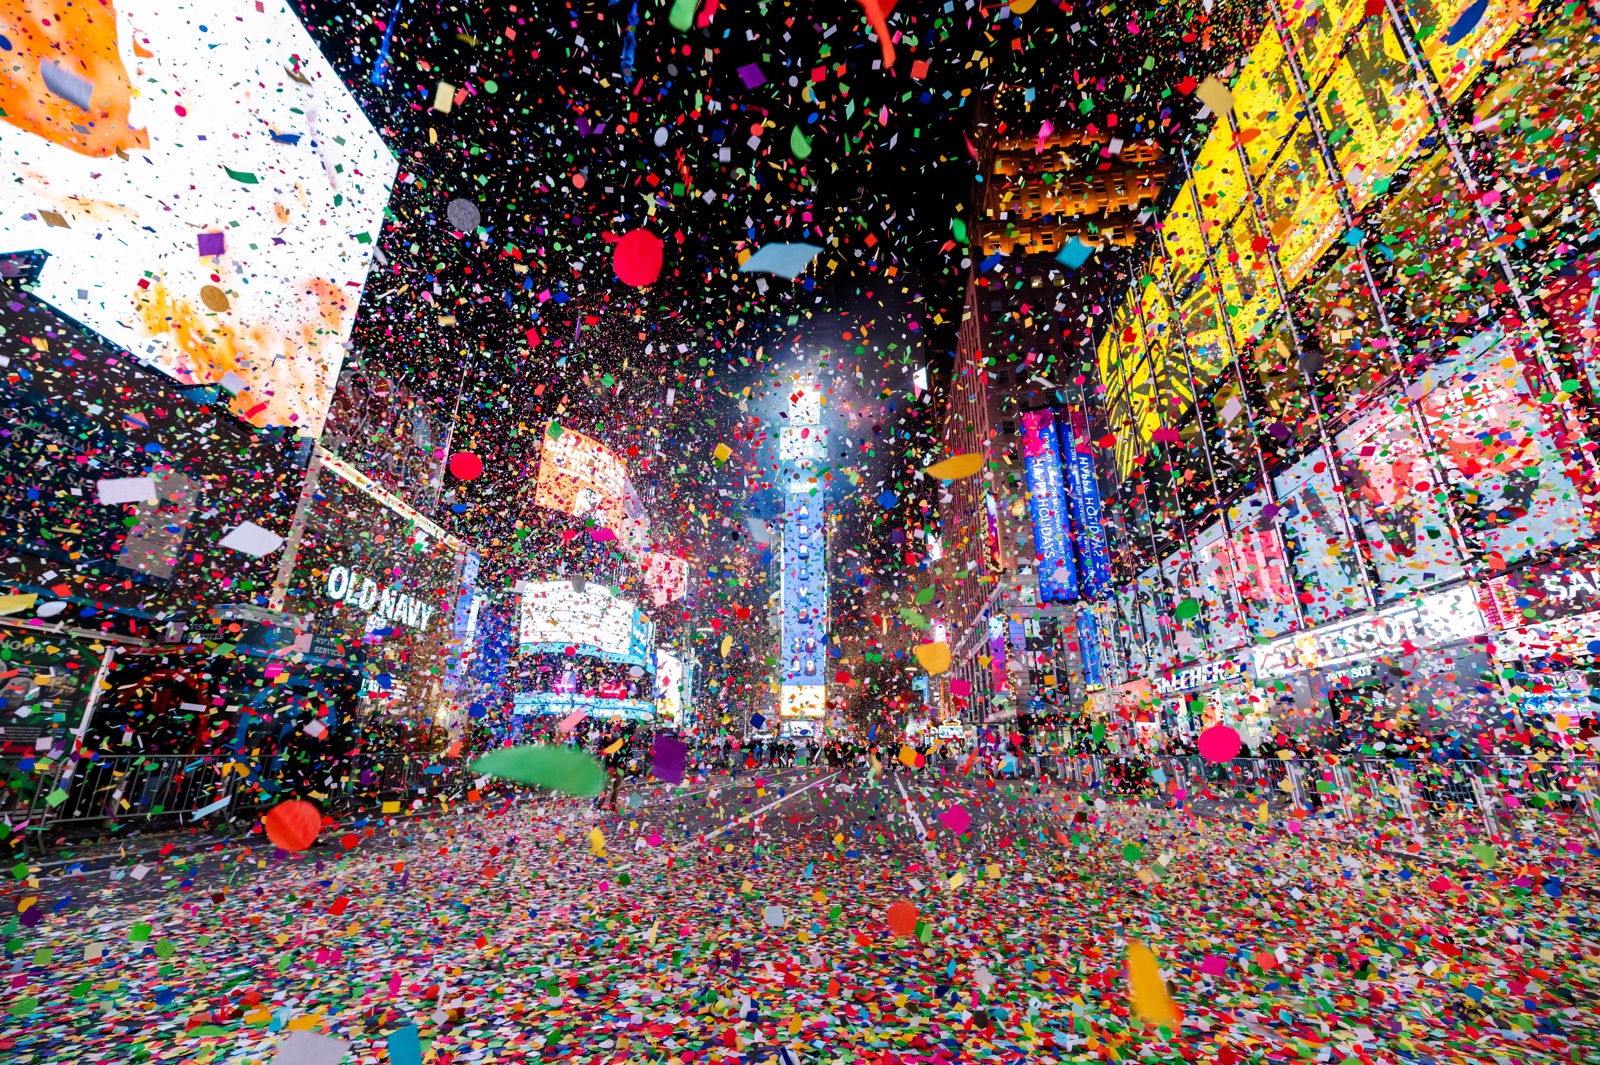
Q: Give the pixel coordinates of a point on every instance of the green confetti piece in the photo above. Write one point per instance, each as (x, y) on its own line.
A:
(682, 15)
(799, 144)
(244, 177)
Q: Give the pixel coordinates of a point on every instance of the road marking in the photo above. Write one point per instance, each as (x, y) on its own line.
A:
(745, 819)
(922, 829)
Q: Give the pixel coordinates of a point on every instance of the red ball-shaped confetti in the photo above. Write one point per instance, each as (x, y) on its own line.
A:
(1219, 743)
(637, 258)
(902, 918)
(292, 825)
(465, 466)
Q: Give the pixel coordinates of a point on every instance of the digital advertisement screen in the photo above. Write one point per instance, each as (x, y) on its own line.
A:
(1086, 512)
(805, 590)
(1213, 578)
(1260, 570)
(667, 577)
(803, 700)
(557, 705)
(1089, 648)
(1047, 508)
(1497, 443)
(207, 189)
(1391, 487)
(669, 686)
(1326, 566)
(557, 615)
(580, 476)
(369, 570)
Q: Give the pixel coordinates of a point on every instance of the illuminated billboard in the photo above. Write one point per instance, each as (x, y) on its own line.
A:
(580, 476)
(804, 590)
(1047, 508)
(666, 576)
(1085, 495)
(560, 614)
(560, 705)
(1503, 450)
(367, 570)
(669, 686)
(207, 189)
(804, 701)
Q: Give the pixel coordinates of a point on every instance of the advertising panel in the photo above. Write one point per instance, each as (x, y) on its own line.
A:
(1088, 526)
(1424, 621)
(585, 616)
(1498, 445)
(388, 433)
(580, 476)
(1458, 35)
(804, 701)
(667, 577)
(669, 687)
(1094, 677)
(1260, 570)
(77, 414)
(208, 190)
(1392, 490)
(1318, 31)
(1047, 508)
(1265, 101)
(368, 569)
(1375, 112)
(1550, 591)
(1188, 636)
(553, 704)
(1301, 207)
(1326, 566)
(463, 626)
(1212, 584)
(44, 689)
(804, 590)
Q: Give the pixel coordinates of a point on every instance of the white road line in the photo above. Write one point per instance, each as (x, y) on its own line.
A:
(922, 829)
(747, 818)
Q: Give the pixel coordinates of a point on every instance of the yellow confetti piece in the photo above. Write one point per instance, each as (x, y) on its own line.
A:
(1147, 993)
(957, 467)
(933, 657)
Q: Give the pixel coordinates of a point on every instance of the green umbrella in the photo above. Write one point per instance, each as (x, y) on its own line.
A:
(563, 769)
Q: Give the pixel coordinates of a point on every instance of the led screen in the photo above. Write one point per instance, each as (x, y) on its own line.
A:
(803, 700)
(389, 433)
(557, 615)
(558, 705)
(207, 189)
(580, 476)
(805, 590)
(1327, 568)
(1514, 495)
(1085, 495)
(1395, 496)
(1047, 508)
(669, 686)
(75, 412)
(667, 578)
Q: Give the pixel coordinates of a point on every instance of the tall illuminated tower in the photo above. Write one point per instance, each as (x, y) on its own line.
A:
(803, 654)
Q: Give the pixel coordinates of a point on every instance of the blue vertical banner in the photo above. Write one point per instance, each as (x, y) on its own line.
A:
(1047, 507)
(1086, 504)
(464, 622)
(1089, 648)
